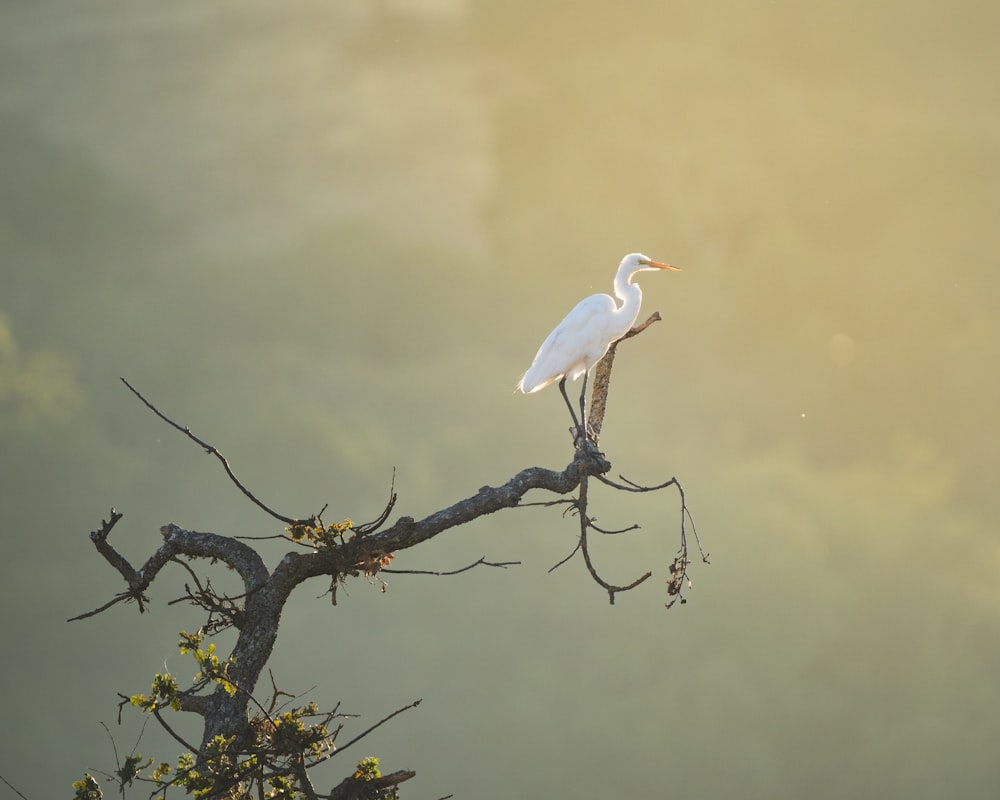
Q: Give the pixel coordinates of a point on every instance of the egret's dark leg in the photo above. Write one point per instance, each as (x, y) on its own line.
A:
(569, 405)
(583, 404)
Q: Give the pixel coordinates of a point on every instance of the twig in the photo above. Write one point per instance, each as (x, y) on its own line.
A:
(276, 693)
(379, 521)
(363, 734)
(678, 568)
(13, 788)
(136, 584)
(125, 700)
(114, 747)
(632, 486)
(607, 532)
(558, 564)
(211, 450)
(127, 596)
(546, 503)
(481, 561)
(584, 525)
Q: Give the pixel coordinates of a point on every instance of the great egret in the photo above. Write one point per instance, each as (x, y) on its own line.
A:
(585, 334)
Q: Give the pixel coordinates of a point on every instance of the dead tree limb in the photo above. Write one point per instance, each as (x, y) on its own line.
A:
(602, 377)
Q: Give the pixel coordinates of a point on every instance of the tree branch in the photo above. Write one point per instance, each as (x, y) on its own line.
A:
(13, 788)
(585, 524)
(479, 562)
(378, 724)
(359, 789)
(602, 377)
(211, 450)
(407, 533)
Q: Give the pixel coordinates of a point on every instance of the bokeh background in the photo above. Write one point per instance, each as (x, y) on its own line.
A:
(330, 236)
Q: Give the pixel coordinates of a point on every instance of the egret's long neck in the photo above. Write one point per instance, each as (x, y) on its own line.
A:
(631, 296)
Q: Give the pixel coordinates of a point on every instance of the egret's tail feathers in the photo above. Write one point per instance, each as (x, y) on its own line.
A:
(530, 388)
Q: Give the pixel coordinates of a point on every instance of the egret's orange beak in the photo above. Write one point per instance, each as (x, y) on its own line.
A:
(658, 265)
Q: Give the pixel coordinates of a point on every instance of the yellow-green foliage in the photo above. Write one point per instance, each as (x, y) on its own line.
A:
(368, 769)
(319, 535)
(281, 739)
(87, 789)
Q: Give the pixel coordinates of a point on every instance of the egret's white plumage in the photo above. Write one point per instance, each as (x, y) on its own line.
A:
(585, 334)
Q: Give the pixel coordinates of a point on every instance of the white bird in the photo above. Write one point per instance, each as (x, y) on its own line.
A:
(585, 334)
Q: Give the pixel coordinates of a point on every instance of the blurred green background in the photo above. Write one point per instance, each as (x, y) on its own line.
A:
(330, 236)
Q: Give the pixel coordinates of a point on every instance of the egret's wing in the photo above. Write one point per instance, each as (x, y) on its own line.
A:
(572, 347)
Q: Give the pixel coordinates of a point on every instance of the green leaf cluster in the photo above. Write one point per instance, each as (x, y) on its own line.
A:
(319, 535)
(291, 734)
(368, 769)
(165, 694)
(218, 767)
(210, 668)
(266, 765)
(130, 770)
(87, 789)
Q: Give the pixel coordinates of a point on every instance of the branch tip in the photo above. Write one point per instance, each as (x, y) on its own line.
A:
(210, 450)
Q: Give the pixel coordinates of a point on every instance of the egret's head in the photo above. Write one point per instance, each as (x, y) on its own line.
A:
(637, 262)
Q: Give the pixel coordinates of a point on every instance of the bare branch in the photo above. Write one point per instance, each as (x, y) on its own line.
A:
(242, 558)
(276, 693)
(126, 596)
(380, 723)
(678, 569)
(632, 486)
(637, 329)
(13, 788)
(585, 523)
(562, 501)
(378, 522)
(572, 553)
(602, 377)
(107, 525)
(407, 532)
(172, 732)
(481, 561)
(608, 532)
(211, 450)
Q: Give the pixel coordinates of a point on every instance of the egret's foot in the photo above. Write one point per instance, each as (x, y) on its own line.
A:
(584, 439)
(586, 450)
